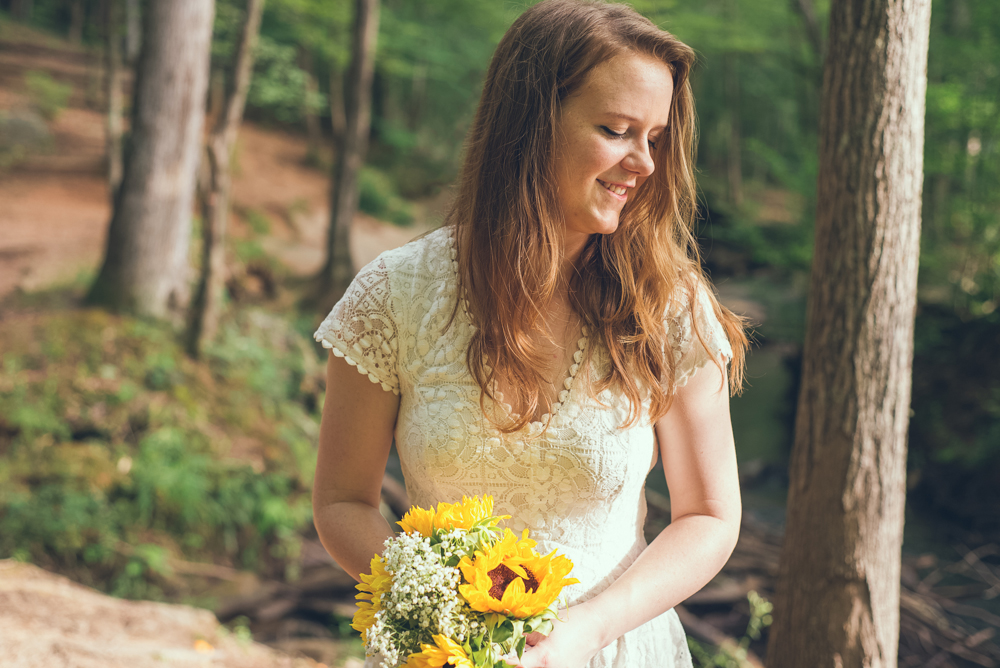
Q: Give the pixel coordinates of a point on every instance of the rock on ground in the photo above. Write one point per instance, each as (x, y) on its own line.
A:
(48, 620)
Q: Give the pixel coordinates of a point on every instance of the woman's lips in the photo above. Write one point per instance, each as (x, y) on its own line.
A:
(621, 192)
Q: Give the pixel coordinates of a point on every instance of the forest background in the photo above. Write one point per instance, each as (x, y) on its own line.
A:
(119, 456)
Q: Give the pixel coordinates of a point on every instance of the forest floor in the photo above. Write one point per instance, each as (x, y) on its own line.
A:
(54, 215)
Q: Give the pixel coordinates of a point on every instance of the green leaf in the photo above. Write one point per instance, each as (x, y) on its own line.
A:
(502, 633)
(545, 627)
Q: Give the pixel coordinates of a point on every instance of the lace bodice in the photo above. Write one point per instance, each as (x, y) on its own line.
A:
(579, 486)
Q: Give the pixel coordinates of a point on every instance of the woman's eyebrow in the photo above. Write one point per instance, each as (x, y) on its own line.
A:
(631, 119)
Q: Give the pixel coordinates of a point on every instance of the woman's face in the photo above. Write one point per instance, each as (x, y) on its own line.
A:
(606, 133)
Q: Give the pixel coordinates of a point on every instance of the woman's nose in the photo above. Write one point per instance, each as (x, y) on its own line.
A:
(639, 160)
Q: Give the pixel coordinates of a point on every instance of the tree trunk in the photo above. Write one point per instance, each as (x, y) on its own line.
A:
(338, 117)
(133, 30)
(337, 271)
(145, 267)
(837, 601)
(76, 16)
(313, 132)
(113, 86)
(207, 303)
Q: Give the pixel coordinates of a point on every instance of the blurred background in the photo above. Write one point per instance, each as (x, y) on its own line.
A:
(130, 466)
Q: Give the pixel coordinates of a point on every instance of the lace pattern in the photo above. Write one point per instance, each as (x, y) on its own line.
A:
(361, 328)
(578, 485)
(689, 352)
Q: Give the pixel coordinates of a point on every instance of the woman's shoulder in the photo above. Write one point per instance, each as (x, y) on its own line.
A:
(411, 278)
(694, 330)
(428, 257)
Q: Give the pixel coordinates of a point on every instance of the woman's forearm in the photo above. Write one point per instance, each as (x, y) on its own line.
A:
(352, 532)
(679, 562)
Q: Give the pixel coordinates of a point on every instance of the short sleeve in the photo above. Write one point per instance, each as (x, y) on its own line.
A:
(690, 354)
(363, 326)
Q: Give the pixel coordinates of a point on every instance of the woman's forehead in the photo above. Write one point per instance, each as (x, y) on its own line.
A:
(636, 88)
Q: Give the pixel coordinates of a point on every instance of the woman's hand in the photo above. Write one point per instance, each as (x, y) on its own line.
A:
(572, 643)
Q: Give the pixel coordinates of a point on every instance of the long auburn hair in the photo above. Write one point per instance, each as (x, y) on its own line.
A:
(509, 233)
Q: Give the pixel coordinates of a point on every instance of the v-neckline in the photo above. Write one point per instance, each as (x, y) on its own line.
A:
(563, 395)
(533, 427)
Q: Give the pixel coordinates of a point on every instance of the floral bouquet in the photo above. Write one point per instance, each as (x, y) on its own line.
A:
(456, 590)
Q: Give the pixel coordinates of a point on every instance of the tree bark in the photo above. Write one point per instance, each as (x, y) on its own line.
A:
(837, 601)
(338, 117)
(113, 86)
(337, 271)
(133, 30)
(313, 131)
(207, 304)
(145, 268)
(76, 16)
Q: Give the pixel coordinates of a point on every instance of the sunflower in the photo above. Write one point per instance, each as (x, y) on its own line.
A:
(462, 515)
(513, 579)
(372, 588)
(444, 652)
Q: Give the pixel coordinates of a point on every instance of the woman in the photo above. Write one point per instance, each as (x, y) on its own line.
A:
(553, 339)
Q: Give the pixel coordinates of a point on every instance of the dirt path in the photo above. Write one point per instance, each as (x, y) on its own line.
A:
(47, 620)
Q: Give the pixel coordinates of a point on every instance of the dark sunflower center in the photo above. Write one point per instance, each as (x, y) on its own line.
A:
(503, 576)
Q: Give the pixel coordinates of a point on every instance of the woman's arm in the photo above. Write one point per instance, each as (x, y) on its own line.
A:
(699, 458)
(354, 440)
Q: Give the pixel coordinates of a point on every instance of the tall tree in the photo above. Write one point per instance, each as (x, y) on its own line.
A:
(350, 149)
(113, 75)
(837, 601)
(77, 15)
(145, 267)
(133, 30)
(215, 200)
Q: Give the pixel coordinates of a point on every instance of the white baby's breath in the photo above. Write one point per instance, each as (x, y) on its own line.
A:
(424, 596)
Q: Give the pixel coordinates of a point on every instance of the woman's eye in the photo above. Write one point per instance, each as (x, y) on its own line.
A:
(653, 143)
(611, 132)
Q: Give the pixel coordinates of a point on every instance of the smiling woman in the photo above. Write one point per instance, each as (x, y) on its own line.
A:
(552, 341)
(606, 134)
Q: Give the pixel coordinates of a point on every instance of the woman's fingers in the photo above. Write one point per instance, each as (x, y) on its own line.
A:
(533, 658)
(533, 639)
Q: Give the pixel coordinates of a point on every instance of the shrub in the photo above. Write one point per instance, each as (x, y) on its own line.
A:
(118, 454)
(378, 198)
(48, 95)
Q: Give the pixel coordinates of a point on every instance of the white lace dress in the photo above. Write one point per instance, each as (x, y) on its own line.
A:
(579, 488)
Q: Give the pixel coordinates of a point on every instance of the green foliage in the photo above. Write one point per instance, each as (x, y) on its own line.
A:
(377, 197)
(258, 221)
(240, 629)
(47, 95)
(960, 255)
(956, 391)
(278, 86)
(118, 454)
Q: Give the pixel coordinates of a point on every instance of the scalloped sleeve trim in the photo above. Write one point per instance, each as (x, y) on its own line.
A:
(362, 327)
(690, 354)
